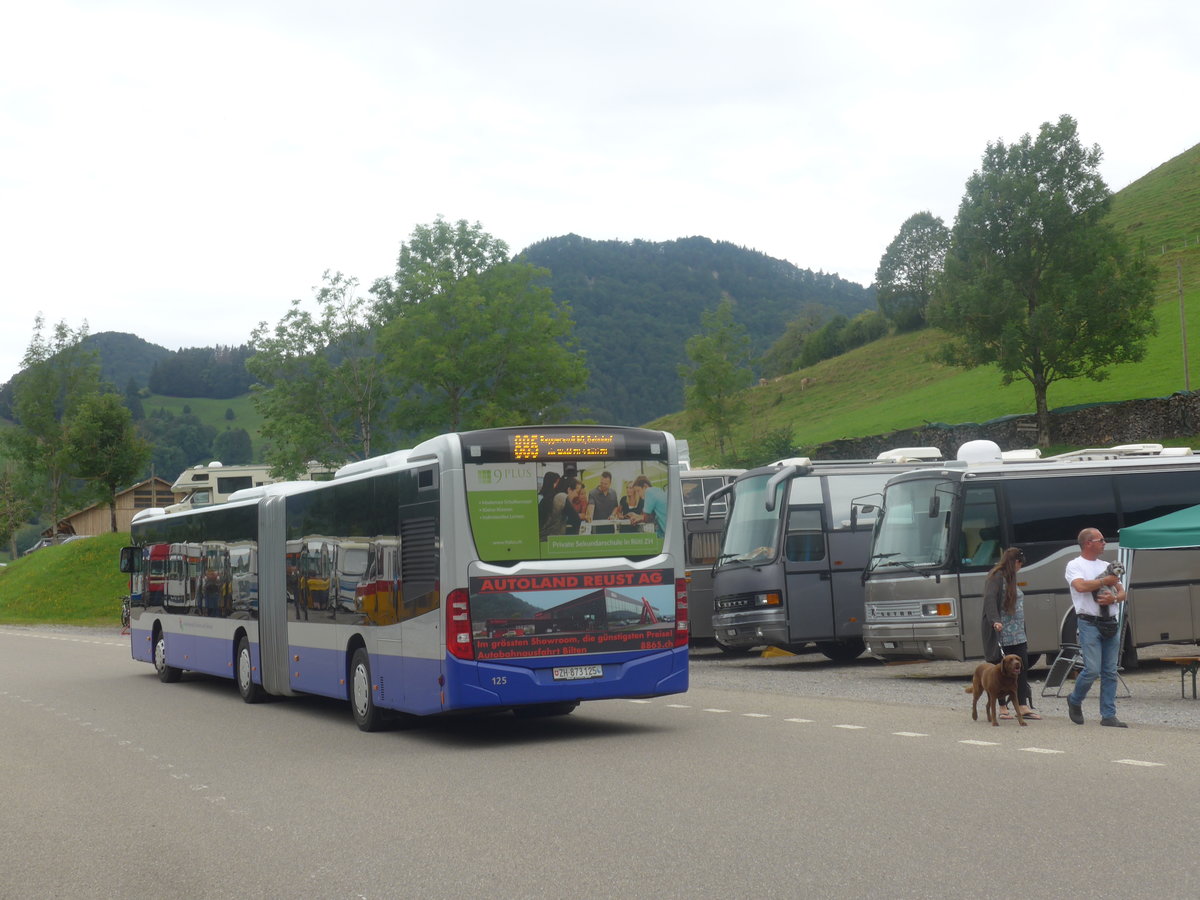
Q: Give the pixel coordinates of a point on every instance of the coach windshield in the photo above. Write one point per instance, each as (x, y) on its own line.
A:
(913, 530)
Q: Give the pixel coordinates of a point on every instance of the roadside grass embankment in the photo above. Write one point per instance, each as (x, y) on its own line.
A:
(77, 583)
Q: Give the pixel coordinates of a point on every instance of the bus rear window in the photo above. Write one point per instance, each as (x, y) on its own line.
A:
(567, 509)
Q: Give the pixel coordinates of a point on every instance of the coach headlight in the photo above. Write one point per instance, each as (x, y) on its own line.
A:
(770, 598)
(937, 609)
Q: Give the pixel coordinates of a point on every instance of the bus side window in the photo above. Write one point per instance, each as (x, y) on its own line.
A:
(806, 536)
(980, 535)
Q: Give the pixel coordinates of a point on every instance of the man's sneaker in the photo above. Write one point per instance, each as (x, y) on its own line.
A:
(1113, 722)
(1075, 711)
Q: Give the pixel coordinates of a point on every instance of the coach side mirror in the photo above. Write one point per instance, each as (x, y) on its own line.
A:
(131, 559)
(935, 506)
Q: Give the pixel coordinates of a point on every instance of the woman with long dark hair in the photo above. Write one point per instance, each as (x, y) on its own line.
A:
(1004, 623)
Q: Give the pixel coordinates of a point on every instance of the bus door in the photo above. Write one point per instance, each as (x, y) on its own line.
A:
(809, 589)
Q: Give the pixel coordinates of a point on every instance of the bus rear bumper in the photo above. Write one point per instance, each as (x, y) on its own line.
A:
(916, 641)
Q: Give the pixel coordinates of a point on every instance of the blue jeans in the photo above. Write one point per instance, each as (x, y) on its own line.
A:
(1099, 659)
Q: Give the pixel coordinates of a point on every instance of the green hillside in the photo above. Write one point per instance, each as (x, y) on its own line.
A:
(891, 384)
(71, 584)
(212, 412)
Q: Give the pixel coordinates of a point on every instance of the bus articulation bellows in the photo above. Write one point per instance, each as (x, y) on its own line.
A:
(447, 578)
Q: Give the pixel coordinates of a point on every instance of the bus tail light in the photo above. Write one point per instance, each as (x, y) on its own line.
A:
(681, 612)
(458, 625)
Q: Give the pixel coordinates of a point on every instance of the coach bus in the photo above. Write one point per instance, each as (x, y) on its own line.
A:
(702, 543)
(942, 529)
(420, 583)
(793, 551)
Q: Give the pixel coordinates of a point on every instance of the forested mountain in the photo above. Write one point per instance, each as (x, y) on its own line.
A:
(636, 303)
(124, 357)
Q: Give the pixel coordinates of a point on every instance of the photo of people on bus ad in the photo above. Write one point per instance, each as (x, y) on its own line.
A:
(567, 509)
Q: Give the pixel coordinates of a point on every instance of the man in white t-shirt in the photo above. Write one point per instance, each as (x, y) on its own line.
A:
(1095, 595)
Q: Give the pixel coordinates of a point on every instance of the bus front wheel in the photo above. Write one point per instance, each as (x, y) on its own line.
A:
(367, 716)
(167, 674)
(251, 692)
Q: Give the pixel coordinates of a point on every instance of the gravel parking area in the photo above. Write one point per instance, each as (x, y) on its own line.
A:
(1154, 685)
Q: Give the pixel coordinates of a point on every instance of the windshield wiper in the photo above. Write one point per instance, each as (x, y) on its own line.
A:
(907, 565)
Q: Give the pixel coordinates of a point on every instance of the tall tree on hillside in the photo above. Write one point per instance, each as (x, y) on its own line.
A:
(719, 356)
(1035, 281)
(908, 270)
(105, 449)
(321, 386)
(475, 341)
(433, 259)
(58, 376)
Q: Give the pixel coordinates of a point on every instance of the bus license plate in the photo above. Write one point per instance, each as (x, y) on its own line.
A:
(574, 673)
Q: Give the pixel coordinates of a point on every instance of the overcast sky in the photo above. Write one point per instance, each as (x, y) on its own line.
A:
(183, 169)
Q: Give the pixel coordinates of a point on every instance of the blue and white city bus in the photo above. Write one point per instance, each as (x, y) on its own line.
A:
(455, 576)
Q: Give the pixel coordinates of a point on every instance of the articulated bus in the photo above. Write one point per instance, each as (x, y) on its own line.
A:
(702, 543)
(420, 583)
(793, 552)
(942, 529)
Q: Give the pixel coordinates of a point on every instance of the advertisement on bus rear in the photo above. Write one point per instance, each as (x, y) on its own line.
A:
(569, 613)
(578, 509)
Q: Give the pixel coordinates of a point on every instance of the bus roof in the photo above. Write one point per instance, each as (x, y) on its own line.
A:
(972, 463)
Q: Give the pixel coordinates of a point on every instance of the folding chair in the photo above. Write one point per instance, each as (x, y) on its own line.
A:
(1069, 660)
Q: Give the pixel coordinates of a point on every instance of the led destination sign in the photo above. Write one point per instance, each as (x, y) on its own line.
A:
(565, 444)
(538, 446)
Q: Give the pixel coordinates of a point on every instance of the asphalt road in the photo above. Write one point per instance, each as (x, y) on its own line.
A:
(750, 785)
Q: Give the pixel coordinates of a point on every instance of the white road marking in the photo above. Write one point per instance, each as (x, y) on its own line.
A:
(909, 734)
(1137, 762)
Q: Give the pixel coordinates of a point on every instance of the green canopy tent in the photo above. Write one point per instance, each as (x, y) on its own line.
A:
(1175, 531)
(1172, 531)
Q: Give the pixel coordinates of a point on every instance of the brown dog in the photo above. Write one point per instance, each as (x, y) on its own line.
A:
(1000, 681)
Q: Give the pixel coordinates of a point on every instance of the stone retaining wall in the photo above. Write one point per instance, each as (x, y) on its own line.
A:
(1096, 425)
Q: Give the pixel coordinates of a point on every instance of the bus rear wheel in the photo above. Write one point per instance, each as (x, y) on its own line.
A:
(251, 692)
(167, 674)
(367, 716)
(841, 651)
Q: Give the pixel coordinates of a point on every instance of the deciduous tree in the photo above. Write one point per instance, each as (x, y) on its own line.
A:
(719, 356)
(908, 270)
(320, 383)
(58, 375)
(489, 348)
(105, 449)
(1035, 281)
